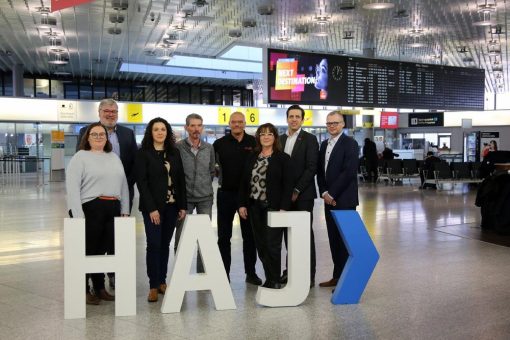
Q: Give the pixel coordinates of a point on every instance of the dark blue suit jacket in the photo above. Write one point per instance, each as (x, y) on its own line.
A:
(340, 178)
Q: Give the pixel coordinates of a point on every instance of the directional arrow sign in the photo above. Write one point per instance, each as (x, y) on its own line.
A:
(362, 257)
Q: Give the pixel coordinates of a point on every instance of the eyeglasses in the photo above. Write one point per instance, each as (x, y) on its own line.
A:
(99, 135)
(266, 134)
(333, 123)
(110, 111)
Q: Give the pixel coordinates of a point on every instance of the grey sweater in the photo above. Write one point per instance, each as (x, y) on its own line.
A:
(93, 174)
(198, 170)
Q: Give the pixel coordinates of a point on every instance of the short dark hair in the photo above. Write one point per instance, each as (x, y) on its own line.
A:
(84, 143)
(296, 107)
(148, 140)
(193, 116)
(430, 153)
(269, 128)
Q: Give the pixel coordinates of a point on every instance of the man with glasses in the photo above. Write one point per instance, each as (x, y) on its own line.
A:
(232, 151)
(338, 185)
(123, 145)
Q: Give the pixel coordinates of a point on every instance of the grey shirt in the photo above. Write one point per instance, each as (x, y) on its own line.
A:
(93, 174)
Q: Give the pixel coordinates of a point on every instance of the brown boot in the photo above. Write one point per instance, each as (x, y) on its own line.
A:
(91, 299)
(162, 288)
(153, 295)
(104, 295)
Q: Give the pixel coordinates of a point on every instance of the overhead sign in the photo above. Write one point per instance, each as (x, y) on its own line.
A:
(426, 119)
(134, 113)
(308, 118)
(57, 5)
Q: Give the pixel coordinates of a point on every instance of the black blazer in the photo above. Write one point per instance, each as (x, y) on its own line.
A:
(152, 179)
(340, 179)
(128, 148)
(279, 181)
(303, 160)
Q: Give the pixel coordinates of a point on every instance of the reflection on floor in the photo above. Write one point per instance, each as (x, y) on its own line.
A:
(434, 279)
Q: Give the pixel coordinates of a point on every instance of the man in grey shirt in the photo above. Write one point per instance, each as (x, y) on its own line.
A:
(199, 167)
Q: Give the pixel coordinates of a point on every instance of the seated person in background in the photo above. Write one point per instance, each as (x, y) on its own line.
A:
(428, 165)
(388, 153)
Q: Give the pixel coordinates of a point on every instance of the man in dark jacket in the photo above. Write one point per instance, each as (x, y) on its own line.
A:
(303, 149)
(337, 172)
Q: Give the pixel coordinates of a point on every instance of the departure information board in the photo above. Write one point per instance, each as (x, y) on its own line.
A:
(319, 79)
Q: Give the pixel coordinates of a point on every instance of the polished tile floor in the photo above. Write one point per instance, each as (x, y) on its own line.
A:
(434, 280)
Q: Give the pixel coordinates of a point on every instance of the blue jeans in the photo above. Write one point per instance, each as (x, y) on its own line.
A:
(202, 207)
(158, 244)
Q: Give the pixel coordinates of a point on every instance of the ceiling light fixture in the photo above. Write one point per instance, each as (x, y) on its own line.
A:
(379, 5)
(47, 21)
(415, 32)
(59, 59)
(486, 7)
(54, 43)
(167, 54)
(486, 20)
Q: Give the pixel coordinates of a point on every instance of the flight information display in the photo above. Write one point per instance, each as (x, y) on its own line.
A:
(321, 79)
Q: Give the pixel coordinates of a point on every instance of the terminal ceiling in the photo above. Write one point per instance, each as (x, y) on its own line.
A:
(93, 40)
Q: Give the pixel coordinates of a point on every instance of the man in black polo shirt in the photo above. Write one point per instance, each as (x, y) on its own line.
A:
(231, 153)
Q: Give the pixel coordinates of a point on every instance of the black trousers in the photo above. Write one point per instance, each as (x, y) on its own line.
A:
(227, 202)
(99, 232)
(267, 240)
(338, 249)
(306, 205)
(371, 168)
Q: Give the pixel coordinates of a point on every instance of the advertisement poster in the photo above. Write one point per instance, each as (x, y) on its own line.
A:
(488, 142)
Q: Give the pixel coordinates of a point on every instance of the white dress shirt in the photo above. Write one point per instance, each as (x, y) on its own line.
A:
(329, 149)
(291, 141)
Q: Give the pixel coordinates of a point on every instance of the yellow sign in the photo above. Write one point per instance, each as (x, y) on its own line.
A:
(57, 136)
(134, 113)
(368, 125)
(350, 112)
(308, 119)
(252, 116)
(224, 115)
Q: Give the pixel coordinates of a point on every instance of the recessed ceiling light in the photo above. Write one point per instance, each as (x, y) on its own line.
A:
(416, 44)
(379, 5)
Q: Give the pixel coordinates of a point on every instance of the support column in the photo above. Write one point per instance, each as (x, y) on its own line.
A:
(17, 80)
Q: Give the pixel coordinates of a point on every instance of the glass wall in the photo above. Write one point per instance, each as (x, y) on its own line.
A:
(128, 91)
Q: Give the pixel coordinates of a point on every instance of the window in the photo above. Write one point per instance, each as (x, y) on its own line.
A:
(28, 87)
(42, 88)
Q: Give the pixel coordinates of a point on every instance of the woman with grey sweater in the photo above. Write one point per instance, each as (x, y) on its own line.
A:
(97, 190)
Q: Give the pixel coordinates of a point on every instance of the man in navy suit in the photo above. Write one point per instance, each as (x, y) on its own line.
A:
(303, 149)
(338, 185)
(123, 144)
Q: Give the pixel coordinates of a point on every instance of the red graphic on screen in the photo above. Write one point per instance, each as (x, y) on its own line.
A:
(389, 120)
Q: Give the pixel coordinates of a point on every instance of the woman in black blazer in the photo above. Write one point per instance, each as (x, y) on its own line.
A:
(160, 181)
(266, 186)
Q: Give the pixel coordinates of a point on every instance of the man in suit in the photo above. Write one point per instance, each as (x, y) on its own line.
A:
(338, 185)
(303, 149)
(123, 145)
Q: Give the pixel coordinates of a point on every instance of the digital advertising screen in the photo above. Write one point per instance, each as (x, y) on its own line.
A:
(389, 120)
(333, 80)
(298, 77)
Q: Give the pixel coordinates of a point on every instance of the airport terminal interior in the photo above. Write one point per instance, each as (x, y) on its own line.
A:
(414, 76)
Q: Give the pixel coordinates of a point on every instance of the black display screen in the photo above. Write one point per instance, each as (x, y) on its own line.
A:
(322, 79)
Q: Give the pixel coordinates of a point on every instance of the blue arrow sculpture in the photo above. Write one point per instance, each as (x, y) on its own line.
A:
(363, 257)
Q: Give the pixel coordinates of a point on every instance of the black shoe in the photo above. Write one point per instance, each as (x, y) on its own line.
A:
(284, 278)
(253, 279)
(272, 285)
